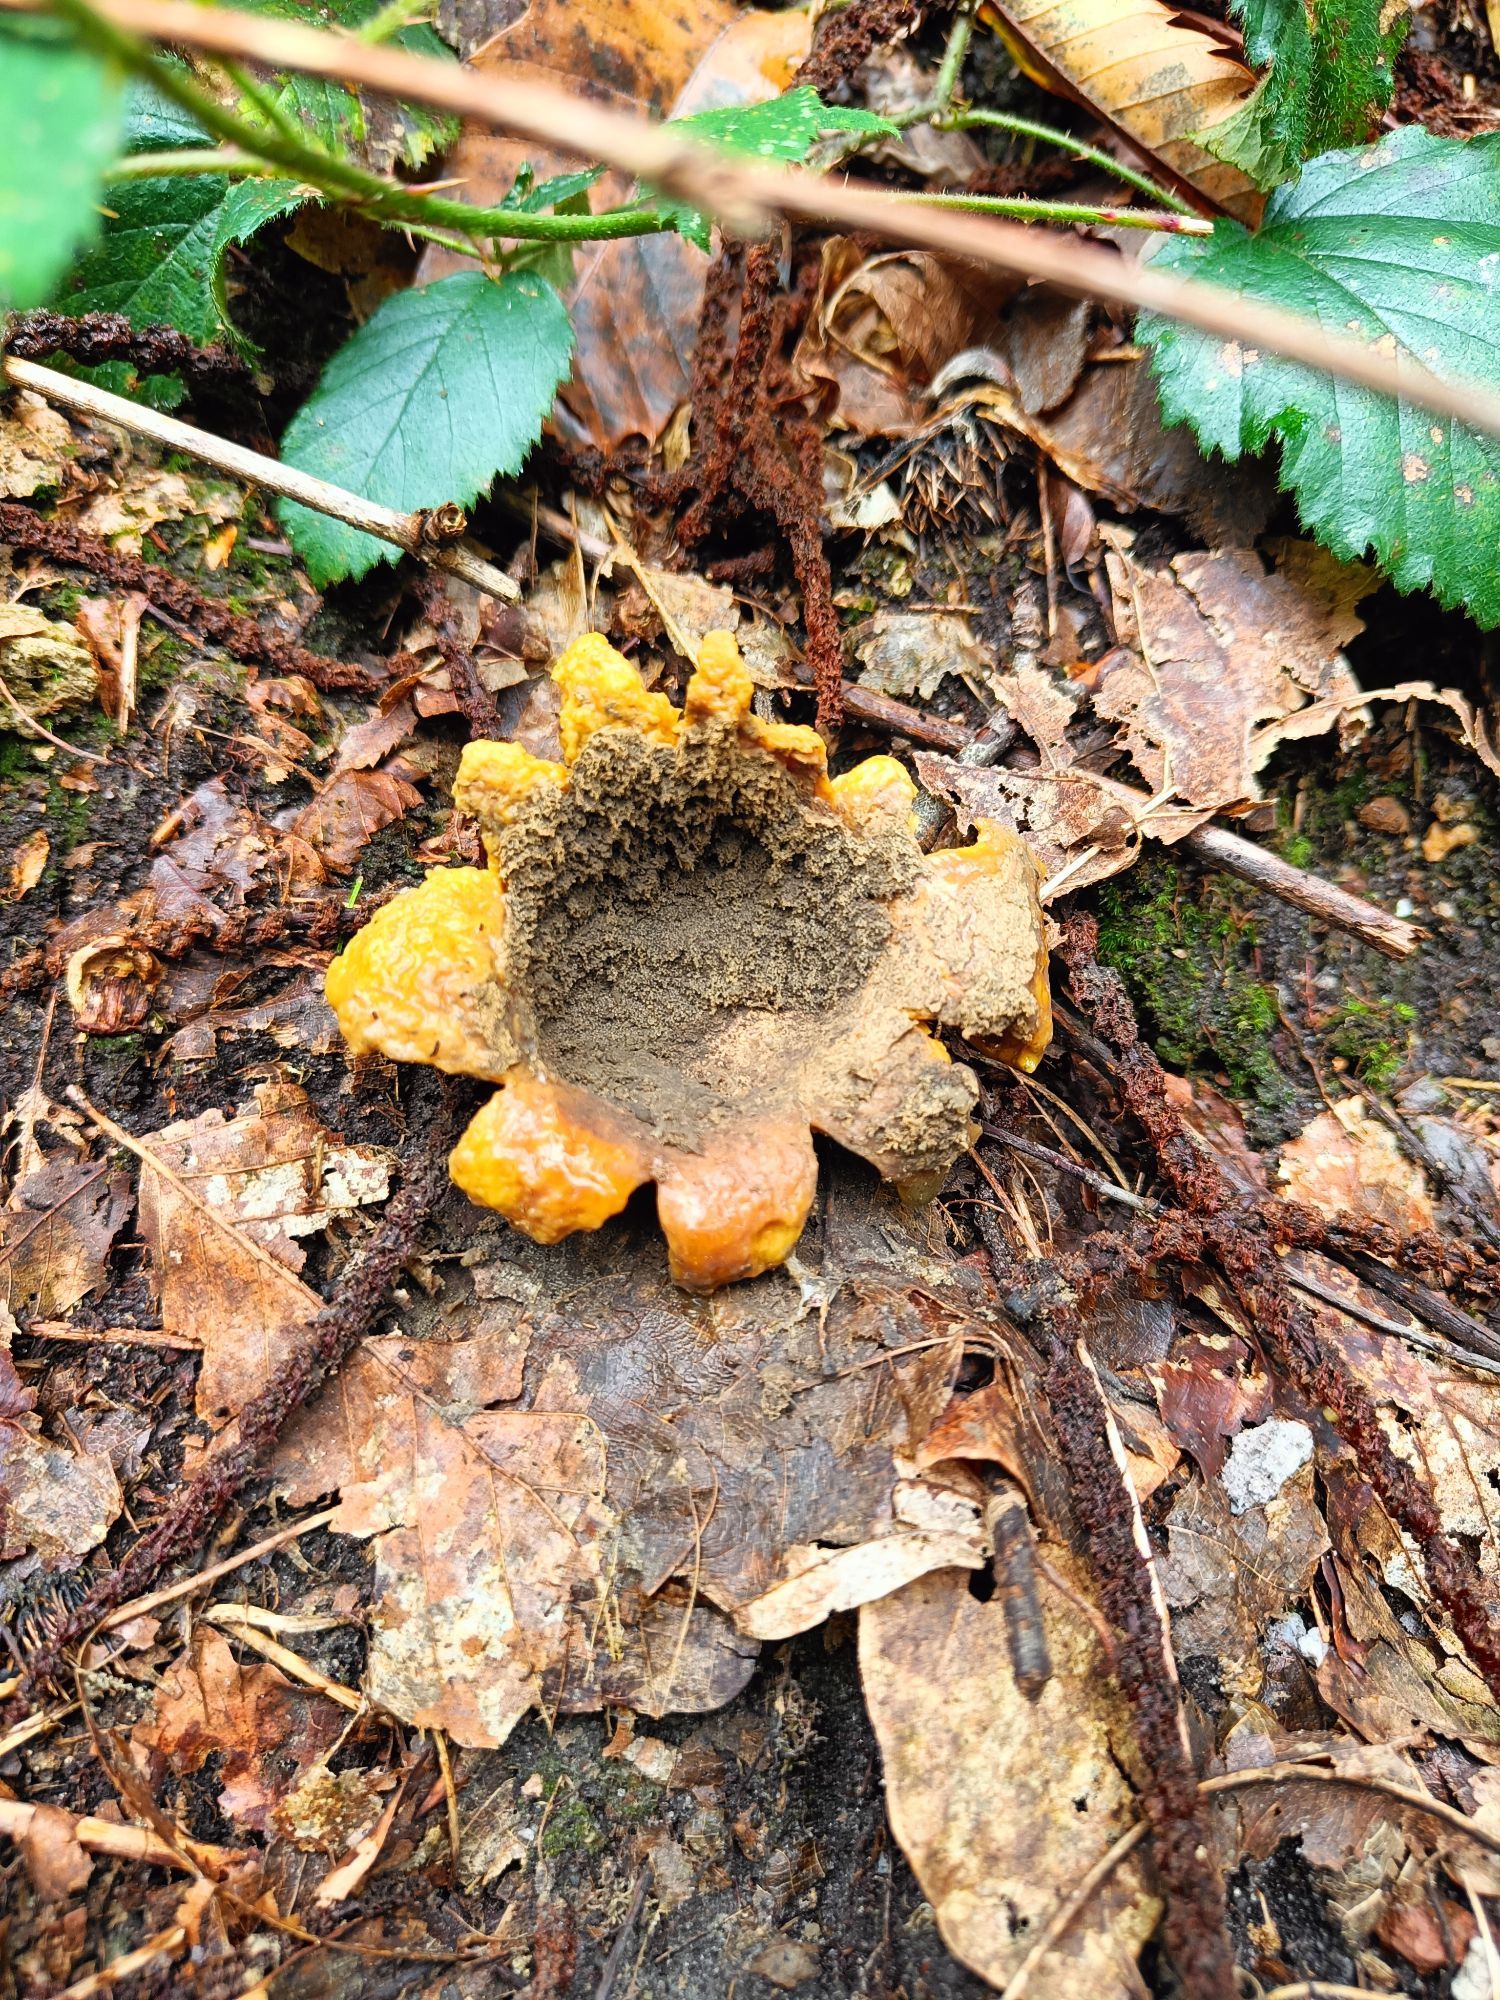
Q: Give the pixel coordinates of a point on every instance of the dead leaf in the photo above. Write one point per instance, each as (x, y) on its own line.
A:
(55, 1235)
(1205, 1397)
(1139, 66)
(36, 445)
(349, 811)
(54, 1856)
(56, 1503)
(1346, 1162)
(1001, 1804)
(266, 1733)
(45, 664)
(1224, 662)
(221, 1227)
(125, 511)
(909, 652)
(578, 1502)
(883, 327)
(1229, 1572)
(29, 861)
(344, 1880)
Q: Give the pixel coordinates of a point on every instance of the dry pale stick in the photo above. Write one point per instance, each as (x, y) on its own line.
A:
(405, 531)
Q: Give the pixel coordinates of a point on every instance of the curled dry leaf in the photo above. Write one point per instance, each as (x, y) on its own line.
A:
(1002, 1804)
(1224, 662)
(690, 949)
(266, 1733)
(1142, 68)
(27, 864)
(221, 1218)
(598, 1493)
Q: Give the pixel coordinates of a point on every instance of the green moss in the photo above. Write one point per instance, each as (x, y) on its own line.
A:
(1373, 1037)
(1185, 953)
(571, 1829)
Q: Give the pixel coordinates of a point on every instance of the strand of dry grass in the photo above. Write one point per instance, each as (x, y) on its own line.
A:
(413, 533)
(744, 194)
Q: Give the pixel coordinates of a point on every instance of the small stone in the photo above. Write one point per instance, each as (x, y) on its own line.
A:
(1384, 815)
(1262, 1459)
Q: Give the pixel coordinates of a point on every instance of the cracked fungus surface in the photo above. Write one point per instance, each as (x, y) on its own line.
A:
(690, 950)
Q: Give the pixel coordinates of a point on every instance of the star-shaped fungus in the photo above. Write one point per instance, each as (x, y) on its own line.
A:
(691, 949)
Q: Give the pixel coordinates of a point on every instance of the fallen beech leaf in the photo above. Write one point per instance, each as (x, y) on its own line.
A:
(1227, 662)
(1346, 1162)
(265, 1732)
(221, 1234)
(1001, 1804)
(602, 1439)
(55, 1234)
(27, 865)
(1138, 65)
(349, 811)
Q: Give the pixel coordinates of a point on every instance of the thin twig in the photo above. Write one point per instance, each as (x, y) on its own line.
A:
(745, 193)
(1049, 1157)
(200, 1579)
(410, 532)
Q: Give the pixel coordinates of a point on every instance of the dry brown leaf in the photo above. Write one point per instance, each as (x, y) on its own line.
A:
(1224, 662)
(36, 445)
(220, 1221)
(577, 1503)
(112, 628)
(125, 511)
(883, 327)
(266, 1733)
(55, 1235)
(27, 864)
(1205, 1397)
(1227, 1574)
(1346, 1162)
(634, 303)
(56, 1502)
(1139, 66)
(349, 811)
(1001, 1804)
(54, 1856)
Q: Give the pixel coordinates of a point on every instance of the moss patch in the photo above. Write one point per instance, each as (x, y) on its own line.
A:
(1187, 956)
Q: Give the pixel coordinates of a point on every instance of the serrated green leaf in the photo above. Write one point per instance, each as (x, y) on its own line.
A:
(1397, 243)
(152, 123)
(59, 128)
(342, 120)
(784, 128)
(1329, 67)
(161, 261)
(442, 391)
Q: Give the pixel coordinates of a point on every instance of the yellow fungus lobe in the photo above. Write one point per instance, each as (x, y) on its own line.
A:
(418, 983)
(721, 686)
(495, 778)
(601, 690)
(541, 1154)
(879, 788)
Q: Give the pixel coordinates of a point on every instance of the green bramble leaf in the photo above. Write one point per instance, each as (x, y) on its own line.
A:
(344, 121)
(784, 128)
(1330, 68)
(59, 127)
(1397, 244)
(443, 390)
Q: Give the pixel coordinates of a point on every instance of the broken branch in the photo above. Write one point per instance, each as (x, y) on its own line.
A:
(410, 532)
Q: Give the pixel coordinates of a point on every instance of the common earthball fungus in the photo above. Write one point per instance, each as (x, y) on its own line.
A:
(691, 949)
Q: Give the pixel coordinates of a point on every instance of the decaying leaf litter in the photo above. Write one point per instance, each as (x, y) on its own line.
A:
(524, 1653)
